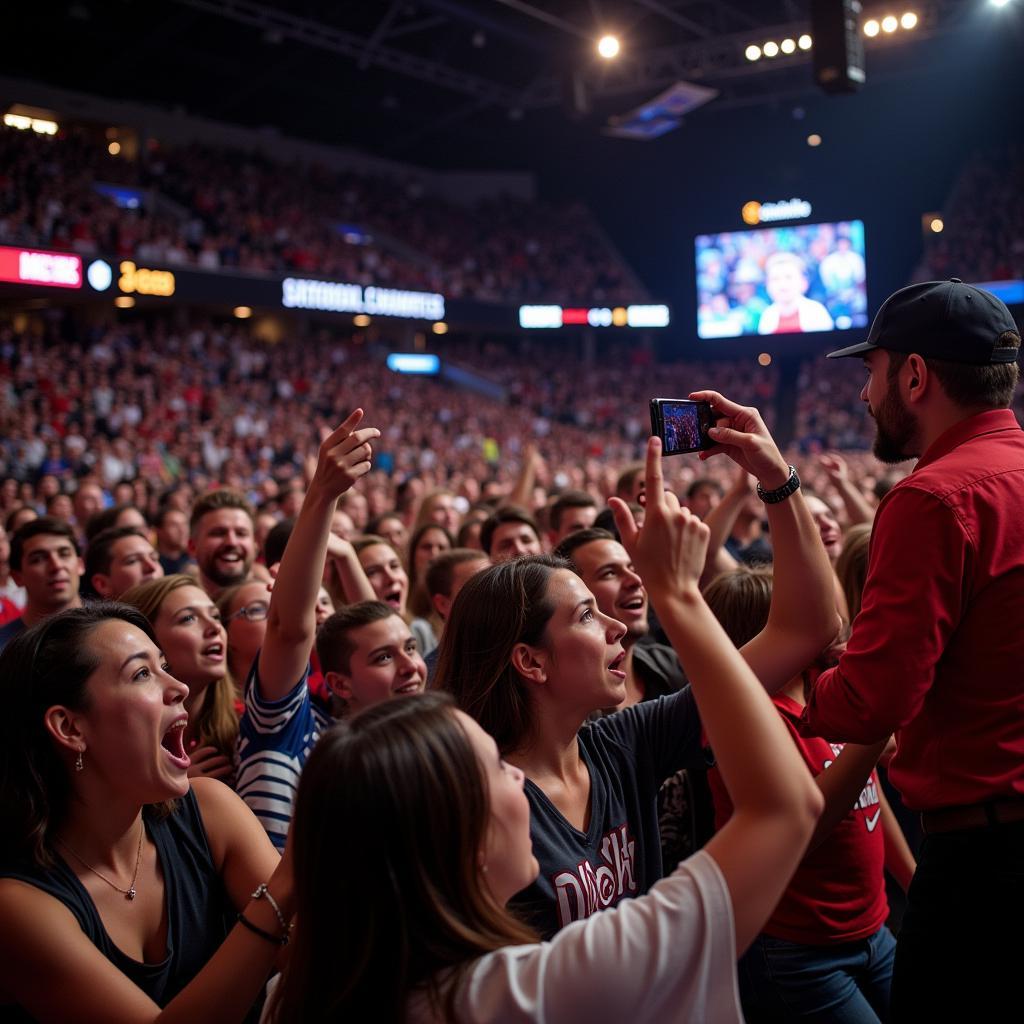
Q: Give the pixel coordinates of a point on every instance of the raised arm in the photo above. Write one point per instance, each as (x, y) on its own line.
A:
(857, 508)
(350, 572)
(720, 521)
(776, 801)
(291, 623)
(522, 490)
(803, 619)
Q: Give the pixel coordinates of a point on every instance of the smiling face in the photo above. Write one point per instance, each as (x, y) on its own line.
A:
(607, 570)
(507, 852)
(132, 727)
(189, 631)
(224, 546)
(831, 535)
(580, 656)
(384, 570)
(384, 663)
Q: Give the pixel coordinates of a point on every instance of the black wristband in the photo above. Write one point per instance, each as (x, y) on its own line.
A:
(277, 940)
(780, 493)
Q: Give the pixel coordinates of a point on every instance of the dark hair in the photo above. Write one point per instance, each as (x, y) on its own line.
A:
(990, 386)
(579, 539)
(505, 514)
(15, 513)
(419, 599)
(374, 524)
(701, 483)
(162, 513)
(741, 600)
(440, 573)
(852, 565)
(626, 479)
(391, 814)
(277, 540)
(105, 519)
(606, 519)
(99, 553)
(565, 501)
(334, 646)
(214, 501)
(498, 608)
(49, 525)
(46, 665)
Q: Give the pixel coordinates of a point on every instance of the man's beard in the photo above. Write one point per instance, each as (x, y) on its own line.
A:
(895, 428)
(221, 578)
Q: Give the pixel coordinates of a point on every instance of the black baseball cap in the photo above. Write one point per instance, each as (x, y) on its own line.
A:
(944, 320)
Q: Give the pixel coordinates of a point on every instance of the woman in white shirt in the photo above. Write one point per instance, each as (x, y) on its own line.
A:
(411, 834)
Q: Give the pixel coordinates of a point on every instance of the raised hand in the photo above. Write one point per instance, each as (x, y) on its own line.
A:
(835, 468)
(208, 762)
(344, 456)
(741, 434)
(670, 548)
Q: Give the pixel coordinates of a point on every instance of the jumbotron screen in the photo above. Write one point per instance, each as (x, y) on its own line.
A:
(781, 280)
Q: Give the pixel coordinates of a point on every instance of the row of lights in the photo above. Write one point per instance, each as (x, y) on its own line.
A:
(773, 49)
(889, 24)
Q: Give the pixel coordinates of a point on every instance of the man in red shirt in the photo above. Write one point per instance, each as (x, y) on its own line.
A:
(937, 650)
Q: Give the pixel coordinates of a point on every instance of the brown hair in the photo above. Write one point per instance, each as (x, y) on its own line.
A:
(419, 599)
(216, 724)
(391, 814)
(741, 599)
(440, 575)
(334, 647)
(214, 501)
(989, 386)
(498, 608)
(852, 565)
(501, 516)
(565, 501)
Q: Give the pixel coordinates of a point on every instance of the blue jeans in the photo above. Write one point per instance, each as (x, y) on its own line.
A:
(844, 983)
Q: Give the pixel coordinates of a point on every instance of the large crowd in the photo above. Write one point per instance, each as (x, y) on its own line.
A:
(221, 208)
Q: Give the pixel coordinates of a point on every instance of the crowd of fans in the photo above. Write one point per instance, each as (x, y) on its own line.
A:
(218, 208)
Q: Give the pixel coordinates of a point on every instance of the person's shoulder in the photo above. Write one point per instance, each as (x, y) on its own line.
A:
(9, 631)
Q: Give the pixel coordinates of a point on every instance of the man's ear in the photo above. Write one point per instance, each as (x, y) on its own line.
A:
(442, 604)
(530, 663)
(917, 377)
(338, 685)
(101, 584)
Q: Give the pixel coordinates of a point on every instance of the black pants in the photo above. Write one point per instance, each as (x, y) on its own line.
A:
(960, 950)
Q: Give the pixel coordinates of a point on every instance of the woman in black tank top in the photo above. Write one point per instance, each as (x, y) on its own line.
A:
(120, 884)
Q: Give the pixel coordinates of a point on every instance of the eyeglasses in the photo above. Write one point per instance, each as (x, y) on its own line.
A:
(254, 612)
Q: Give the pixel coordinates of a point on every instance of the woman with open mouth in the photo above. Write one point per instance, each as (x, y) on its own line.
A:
(121, 877)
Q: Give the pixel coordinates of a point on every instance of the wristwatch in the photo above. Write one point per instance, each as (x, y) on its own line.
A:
(791, 486)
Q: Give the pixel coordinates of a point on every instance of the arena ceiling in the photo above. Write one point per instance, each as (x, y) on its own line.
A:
(442, 82)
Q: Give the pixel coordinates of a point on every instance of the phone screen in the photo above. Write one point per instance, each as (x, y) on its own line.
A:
(681, 424)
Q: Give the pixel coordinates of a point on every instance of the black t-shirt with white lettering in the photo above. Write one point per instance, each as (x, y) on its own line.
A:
(629, 755)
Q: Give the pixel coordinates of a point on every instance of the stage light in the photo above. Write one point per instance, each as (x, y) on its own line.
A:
(909, 20)
(871, 28)
(788, 46)
(999, 3)
(608, 47)
(764, 359)
(890, 24)
(804, 42)
(124, 302)
(771, 49)
(440, 327)
(114, 148)
(361, 320)
(814, 140)
(243, 312)
(937, 225)
(753, 52)
(41, 126)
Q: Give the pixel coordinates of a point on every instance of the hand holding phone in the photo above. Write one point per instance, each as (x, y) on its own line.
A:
(682, 425)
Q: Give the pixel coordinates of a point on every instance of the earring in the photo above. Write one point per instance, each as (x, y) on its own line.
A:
(78, 762)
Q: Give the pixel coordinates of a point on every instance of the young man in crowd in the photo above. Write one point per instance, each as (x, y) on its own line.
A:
(446, 576)
(171, 525)
(703, 496)
(10, 591)
(222, 539)
(119, 558)
(510, 532)
(45, 560)
(936, 651)
(87, 501)
(571, 511)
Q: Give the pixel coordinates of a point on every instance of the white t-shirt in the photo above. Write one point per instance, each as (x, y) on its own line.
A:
(668, 956)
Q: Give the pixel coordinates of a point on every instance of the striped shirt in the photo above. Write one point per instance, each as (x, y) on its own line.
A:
(274, 740)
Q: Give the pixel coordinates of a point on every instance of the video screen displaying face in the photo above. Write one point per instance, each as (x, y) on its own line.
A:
(781, 280)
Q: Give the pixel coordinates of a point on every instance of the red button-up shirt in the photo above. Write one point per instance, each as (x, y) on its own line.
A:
(937, 651)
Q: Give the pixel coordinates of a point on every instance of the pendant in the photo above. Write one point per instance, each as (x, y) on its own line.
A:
(130, 894)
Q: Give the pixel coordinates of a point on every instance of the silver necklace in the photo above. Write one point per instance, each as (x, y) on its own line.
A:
(129, 893)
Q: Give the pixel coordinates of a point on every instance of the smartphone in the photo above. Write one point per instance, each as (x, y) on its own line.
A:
(682, 425)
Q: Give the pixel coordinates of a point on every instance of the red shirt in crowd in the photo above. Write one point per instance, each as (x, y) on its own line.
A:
(937, 651)
(838, 891)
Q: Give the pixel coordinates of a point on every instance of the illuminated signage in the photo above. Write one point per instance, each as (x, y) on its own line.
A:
(145, 282)
(788, 209)
(51, 269)
(332, 297)
(413, 362)
(550, 317)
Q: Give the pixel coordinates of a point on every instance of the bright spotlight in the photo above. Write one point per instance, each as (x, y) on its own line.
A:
(608, 47)
(814, 140)
(114, 148)
(937, 225)
(771, 49)
(788, 46)
(889, 23)
(804, 42)
(999, 3)
(871, 28)
(909, 20)
(243, 312)
(753, 52)
(440, 327)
